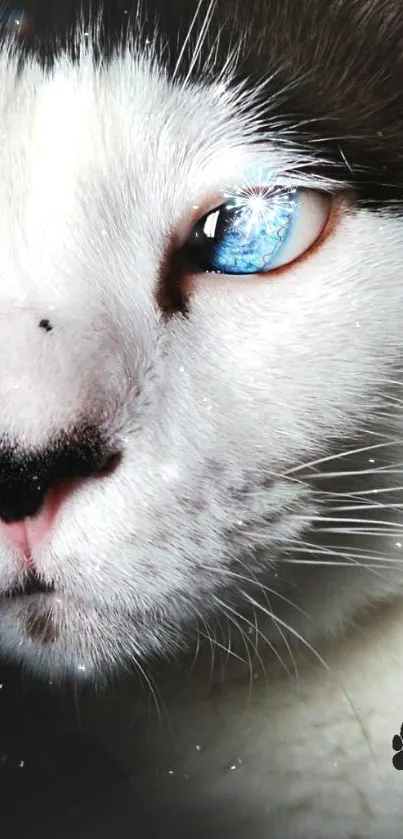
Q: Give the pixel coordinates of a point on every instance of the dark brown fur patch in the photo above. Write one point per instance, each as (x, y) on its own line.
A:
(333, 71)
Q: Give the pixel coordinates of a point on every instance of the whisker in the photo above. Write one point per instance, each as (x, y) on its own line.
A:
(340, 455)
(152, 686)
(365, 505)
(318, 548)
(207, 635)
(322, 662)
(196, 653)
(396, 469)
(307, 547)
(223, 647)
(338, 564)
(246, 640)
(227, 608)
(255, 581)
(344, 559)
(348, 521)
(266, 589)
(356, 531)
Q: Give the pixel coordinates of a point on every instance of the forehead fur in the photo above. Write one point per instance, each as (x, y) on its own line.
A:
(328, 73)
(98, 129)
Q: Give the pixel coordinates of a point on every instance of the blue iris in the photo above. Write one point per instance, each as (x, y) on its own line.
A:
(245, 235)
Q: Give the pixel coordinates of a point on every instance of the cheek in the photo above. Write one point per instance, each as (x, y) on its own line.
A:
(298, 350)
(318, 299)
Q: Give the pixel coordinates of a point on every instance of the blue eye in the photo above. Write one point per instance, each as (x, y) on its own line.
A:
(256, 231)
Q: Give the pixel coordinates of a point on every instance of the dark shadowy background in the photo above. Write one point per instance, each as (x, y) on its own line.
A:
(55, 780)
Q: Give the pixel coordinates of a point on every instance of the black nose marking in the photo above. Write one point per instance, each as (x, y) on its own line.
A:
(45, 324)
(26, 476)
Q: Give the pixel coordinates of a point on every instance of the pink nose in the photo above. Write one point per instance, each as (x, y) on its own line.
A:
(28, 534)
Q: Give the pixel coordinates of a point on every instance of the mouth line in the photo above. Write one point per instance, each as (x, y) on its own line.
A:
(32, 585)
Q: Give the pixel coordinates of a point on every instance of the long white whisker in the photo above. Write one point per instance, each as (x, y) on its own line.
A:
(222, 647)
(322, 662)
(317, 547)
(251, 578)
(150, 682)
(339, 455)
(229, 609)
(337, 564)
(348, 521)
(346, 561)
(246, 642)
(364, 505)
(396, 469)
(306, 547)
(356, 531)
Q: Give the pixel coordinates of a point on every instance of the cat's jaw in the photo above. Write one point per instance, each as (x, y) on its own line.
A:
(294, 586)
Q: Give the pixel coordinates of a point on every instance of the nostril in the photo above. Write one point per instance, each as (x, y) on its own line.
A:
(27, 533)
(20, 497)
(27, 477)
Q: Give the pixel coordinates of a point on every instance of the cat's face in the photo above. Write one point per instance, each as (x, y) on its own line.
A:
(207, 389)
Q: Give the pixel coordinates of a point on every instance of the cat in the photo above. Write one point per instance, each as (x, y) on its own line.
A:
(201, 308)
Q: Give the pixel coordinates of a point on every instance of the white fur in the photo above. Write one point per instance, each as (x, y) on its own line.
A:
(216, 414)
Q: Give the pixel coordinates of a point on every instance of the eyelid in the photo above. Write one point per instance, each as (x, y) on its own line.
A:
(215, 199)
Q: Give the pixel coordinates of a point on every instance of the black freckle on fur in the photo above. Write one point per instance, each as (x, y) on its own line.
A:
(45, 324)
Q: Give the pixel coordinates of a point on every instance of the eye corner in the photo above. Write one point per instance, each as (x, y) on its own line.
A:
(170, 296)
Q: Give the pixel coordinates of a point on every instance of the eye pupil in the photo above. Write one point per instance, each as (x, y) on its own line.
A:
(217, 223)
